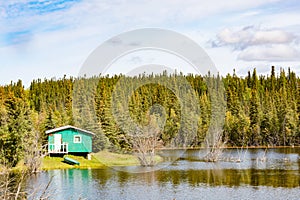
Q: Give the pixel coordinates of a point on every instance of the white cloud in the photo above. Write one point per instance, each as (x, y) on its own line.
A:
(259, 44)
(229, 37)
(272, 36)
(270, 53)
(249, 36)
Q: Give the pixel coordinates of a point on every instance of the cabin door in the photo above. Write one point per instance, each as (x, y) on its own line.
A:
(57, 142)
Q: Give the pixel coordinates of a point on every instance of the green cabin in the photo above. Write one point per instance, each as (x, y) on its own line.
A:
(69, 139)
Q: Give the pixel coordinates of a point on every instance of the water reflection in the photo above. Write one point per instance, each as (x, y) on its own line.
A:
(186, 178)
(285, 158)
(221, 177)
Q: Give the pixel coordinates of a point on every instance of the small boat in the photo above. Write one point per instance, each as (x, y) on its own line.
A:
(71, 161)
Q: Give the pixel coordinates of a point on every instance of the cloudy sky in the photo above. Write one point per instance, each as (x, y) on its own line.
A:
(50, 38)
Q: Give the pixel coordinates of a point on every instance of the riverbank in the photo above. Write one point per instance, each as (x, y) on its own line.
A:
(101, 159)
(229, 147)
(49, 163)
(105, 159)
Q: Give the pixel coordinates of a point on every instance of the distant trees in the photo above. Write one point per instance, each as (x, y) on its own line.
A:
(260, 110)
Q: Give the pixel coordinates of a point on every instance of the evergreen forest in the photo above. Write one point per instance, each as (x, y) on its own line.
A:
(259, 110)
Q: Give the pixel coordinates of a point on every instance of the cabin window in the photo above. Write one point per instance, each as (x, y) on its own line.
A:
(77, 139)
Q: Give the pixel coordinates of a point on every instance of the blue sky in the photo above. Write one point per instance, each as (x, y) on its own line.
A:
(44, 38)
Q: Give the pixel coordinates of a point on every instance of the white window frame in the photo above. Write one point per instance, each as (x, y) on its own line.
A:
(80, 139)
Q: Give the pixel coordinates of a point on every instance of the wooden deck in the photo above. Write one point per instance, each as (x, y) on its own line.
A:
(59, 149)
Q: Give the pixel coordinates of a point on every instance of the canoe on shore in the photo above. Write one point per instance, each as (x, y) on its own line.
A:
(71, 161)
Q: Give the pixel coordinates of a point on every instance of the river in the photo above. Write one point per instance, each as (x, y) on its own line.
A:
(259, 174)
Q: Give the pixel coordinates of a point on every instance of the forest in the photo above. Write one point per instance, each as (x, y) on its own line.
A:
(259, 110)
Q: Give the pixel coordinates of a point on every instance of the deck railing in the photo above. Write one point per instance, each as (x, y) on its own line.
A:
(58, 148)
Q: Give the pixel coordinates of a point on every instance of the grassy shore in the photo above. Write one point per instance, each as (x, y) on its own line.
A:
(115, 159)
(101, 159)
(49, 163)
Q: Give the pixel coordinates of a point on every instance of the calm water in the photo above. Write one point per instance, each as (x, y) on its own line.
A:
(277, 177)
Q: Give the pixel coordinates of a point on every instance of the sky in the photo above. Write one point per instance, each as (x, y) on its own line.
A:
(47, 39)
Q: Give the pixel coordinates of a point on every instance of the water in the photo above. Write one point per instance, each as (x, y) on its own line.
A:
(277, 177)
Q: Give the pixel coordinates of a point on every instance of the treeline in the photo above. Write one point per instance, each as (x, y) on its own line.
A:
(263, 110)
(260, 110)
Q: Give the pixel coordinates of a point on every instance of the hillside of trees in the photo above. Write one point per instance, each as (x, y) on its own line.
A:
(260, 110)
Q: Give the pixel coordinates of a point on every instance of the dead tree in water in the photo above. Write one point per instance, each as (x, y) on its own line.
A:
(144, 141)
(215, 142)
(215, 146)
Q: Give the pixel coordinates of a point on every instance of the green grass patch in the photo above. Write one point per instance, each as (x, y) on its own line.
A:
(58, 163)
(54, 163)
(99, 160)
(115, 159)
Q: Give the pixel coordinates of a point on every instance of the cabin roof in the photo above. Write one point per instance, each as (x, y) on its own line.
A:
(68, 127)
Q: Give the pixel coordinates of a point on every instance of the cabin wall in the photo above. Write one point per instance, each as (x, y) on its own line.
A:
(68, 137)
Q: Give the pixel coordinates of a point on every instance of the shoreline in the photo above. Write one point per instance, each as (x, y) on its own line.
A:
(105, 159)
(233, 147)
(100, 160)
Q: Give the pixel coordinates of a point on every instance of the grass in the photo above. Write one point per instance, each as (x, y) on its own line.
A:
(99, 160)
(57, 163)
(115, 159)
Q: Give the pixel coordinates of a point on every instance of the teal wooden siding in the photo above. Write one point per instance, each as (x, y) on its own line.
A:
(67, 136)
